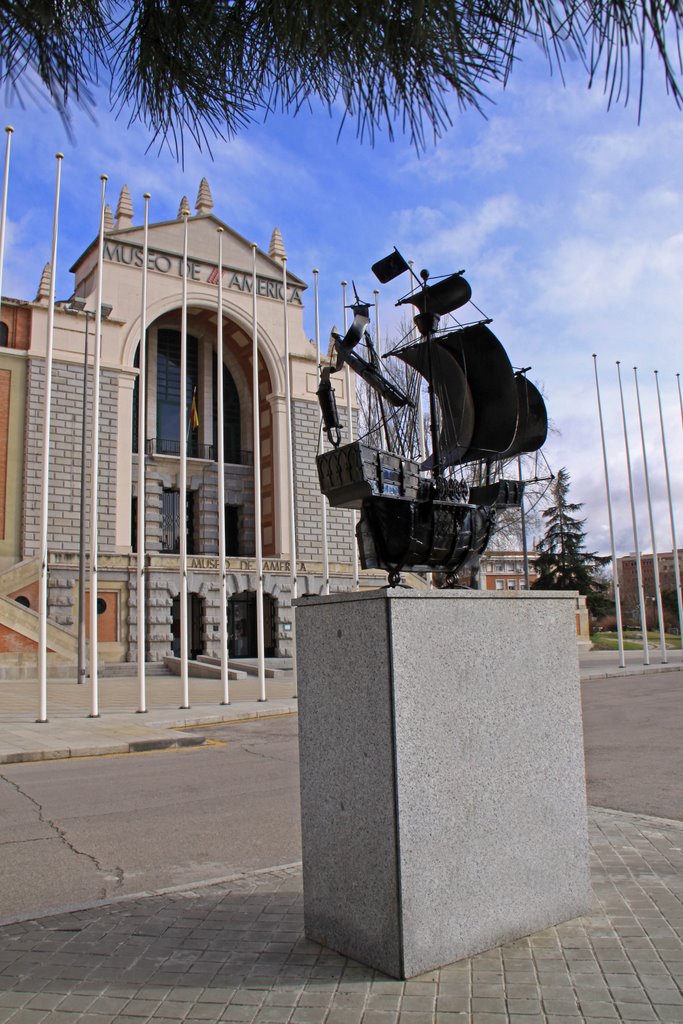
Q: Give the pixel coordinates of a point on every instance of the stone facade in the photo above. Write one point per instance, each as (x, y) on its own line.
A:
(26, 326)
(64, 511)
(305, 430)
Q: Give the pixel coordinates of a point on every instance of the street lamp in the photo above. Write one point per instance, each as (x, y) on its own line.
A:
(77, 305)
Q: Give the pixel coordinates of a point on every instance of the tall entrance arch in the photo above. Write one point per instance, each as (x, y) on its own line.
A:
(242, 638)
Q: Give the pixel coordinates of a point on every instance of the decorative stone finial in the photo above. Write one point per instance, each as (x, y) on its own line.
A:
(184, 208)
(124, 210)
(44, 286)
(108, 218)
(204, 202)
(276, 249)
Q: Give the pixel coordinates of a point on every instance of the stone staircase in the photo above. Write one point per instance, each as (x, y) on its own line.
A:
(19, 627)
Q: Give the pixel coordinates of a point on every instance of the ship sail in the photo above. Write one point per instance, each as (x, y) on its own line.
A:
(441, 370)
(491, 379)
(532, 421)
(484, 412)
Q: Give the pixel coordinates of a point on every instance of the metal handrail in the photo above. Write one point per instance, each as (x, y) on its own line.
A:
(165, 446)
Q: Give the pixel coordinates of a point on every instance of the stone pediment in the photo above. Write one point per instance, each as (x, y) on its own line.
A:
(124, 247)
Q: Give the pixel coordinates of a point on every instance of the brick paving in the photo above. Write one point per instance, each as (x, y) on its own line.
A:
(236, 952)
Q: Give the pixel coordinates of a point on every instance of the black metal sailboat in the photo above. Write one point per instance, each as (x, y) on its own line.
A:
(429, 512)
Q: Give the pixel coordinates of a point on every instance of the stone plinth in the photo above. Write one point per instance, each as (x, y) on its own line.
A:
(442, 774)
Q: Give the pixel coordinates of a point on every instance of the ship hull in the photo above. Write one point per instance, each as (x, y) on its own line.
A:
(396, 534)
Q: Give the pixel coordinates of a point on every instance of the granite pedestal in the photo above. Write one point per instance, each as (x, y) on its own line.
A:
(442, 773)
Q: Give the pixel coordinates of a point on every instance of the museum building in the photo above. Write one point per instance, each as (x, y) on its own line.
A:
(23, 345)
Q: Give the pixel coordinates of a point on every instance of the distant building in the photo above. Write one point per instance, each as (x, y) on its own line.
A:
(627, 569)
(504, 570)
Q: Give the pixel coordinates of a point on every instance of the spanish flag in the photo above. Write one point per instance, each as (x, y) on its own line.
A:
(194, 415)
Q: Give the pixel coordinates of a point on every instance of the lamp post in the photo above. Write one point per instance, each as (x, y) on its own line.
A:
(78, 306)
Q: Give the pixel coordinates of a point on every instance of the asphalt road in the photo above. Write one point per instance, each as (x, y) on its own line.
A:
(95, 828)
(633, 738)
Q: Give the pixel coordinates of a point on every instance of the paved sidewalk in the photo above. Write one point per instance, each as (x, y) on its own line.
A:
(235, 952)
(605, 664)
(70, 732)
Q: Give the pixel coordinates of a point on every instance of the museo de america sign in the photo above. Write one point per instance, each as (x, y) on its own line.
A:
(206, 273)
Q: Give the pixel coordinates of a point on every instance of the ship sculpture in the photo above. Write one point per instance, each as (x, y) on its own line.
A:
(429, 508)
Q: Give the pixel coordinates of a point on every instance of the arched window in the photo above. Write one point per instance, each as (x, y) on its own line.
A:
(231, 415)
(4, 334)
(168, 393)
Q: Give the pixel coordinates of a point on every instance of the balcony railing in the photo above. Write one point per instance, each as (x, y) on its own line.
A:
(165, 446)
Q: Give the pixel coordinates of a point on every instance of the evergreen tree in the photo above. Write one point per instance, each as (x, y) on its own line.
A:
(563, 562)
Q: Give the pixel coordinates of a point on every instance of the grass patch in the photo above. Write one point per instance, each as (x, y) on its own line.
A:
(633, 641)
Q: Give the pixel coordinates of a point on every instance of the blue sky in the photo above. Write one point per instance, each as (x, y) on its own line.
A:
(567, 217)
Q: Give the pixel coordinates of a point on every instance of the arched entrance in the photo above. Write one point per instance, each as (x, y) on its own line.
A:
(161, 444)
(242, 640)
(195, 616)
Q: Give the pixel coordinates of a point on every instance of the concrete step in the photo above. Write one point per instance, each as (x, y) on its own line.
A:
(27, 668)
(274, 667)
(201, 669)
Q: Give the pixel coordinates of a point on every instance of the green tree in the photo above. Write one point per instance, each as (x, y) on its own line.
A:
(563, 562)
(208, 67)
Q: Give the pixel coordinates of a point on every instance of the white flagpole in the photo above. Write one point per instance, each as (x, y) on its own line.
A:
(321, 444)
(258, 527)
(293, 583)
(45, 474)
(349, 413)
(677, 571)
(142, 451)
(680, 398)
(615, 574)
(639, 568)
(95, 465)
(184, 672)
(655, 557)
(378, 347)
(221, 477)
(3, 211)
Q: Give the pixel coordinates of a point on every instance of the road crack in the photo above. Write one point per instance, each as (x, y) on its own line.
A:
(115, 873)
(265, 756)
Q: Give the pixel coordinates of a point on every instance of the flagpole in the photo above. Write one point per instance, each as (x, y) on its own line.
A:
(349, 412)
(45, 474)
(142, 451)
(677, 571)
(95, 465)
(3, 211)
(82, 660)
(184, 673)
(522, 517)
(293, 583)
(639, 568)
(221, 477)
(655, 557)
(615, 573)
(321, 444)
(378, 348)
(680, 398)
(258, 527)
(420, 412)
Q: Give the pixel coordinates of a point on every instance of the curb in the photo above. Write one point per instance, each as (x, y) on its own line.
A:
(624, 673)
(102, 750)
(184, 888)
(183, 738)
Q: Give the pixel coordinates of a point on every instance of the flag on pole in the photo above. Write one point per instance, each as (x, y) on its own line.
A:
(194, 415)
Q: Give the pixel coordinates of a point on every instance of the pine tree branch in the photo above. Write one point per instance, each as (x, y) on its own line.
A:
(208, 67)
